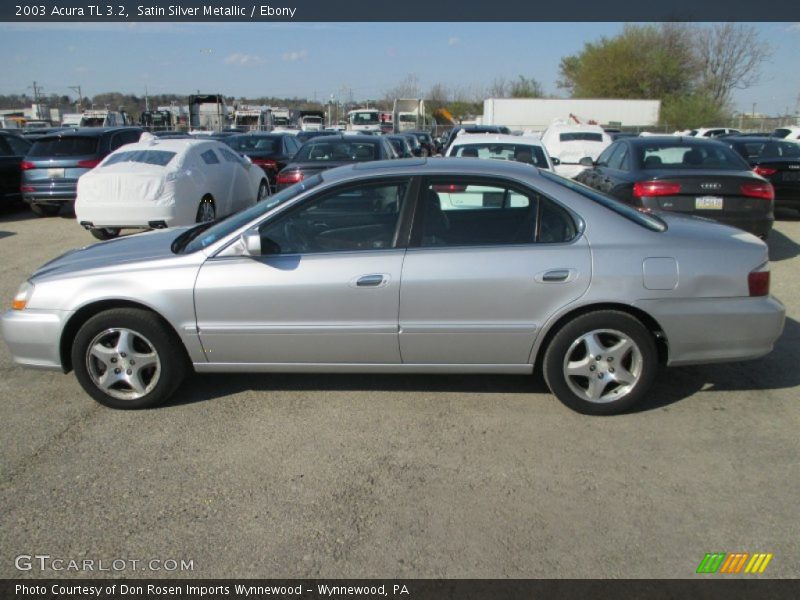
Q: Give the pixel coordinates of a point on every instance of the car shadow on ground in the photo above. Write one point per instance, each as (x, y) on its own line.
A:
(16, 213)
(782, 247)
(777, 370)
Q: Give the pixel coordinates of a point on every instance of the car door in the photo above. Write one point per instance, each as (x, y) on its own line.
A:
(328, 293)
(481, 277)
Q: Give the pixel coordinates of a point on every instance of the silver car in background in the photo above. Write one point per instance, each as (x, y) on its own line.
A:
(366, 268)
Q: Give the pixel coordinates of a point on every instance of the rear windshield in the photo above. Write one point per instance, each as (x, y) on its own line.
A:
(675, 155)
(159, 158)
(580, 136)
(254, 143)
(646, 220)
(65, 146)
(769, 149)
(321, 150)
(533, 155)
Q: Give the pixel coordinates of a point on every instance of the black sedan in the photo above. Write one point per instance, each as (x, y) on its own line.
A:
(401, 145)
(426, 141)
(775, 160)
(699, 177)
(270, 151)
(13, 149)
(322, 153)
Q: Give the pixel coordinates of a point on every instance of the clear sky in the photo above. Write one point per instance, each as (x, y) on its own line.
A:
(317, 60)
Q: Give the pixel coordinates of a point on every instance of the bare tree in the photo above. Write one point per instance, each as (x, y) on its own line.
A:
(407, 88)
(729, 57)
(498, 89)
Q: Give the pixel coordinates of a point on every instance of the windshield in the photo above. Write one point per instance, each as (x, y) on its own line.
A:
(675, 155)
(767, 149)
(160, 158)
(649, 221)
(318, 149)
(520, 152)
(65, 146)
(256, 143)
(202, 236)
(364, 118)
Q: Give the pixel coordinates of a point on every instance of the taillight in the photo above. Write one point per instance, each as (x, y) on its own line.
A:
(291, 177)
(89, 164)
(449, 188)
(765, 171)
(758, 283)
(265, 163)
(26, 188)
(26, 165)
(758, 189)
(655, 188)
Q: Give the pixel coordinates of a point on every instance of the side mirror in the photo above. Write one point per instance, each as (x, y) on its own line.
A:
(256, 245)
(556, 161)
(586, 161)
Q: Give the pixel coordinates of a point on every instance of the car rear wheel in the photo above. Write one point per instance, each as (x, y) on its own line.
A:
(45, 210)
(601, 363)
(126, 358)
(263, 190)
(207, 211)
(105, 233)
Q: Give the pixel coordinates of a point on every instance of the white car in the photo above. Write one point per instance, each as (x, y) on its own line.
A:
(521, 148)
(570, 143)
(712, 132)
(157, 183)
(790, 133)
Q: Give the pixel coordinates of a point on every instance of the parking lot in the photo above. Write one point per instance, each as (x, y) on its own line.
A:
(401, 476)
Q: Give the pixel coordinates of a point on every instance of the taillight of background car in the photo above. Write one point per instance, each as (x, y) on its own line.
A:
(757, 189)
(765, 171)
(649, 189)
(289, 178)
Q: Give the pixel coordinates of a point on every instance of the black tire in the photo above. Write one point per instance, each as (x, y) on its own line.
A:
(206, 211)
(161, 369)
(263, 190)
(105, 233)
(45, 210)
(606, 331)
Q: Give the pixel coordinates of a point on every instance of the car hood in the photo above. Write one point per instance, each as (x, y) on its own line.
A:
(113, 254)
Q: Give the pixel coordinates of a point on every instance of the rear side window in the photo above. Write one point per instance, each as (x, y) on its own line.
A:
(64, 147)
(209, 157)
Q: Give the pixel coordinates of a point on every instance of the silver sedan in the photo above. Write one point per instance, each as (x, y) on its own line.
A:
(424, 266)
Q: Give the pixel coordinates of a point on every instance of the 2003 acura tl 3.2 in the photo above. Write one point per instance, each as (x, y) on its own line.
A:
(425, 266)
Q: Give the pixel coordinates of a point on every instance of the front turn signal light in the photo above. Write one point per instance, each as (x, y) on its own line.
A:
(23, 296)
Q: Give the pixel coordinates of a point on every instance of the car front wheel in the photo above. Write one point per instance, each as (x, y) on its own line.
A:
(127, 358)
(601, 362)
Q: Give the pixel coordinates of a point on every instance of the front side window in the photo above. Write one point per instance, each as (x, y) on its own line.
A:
(361, 217)
(605, 155)
(460, 212)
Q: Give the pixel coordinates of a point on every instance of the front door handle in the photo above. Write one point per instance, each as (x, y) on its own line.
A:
(372, 280)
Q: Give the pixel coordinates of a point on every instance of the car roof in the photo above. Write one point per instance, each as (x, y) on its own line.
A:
(472, 138)
(430, 166)
(172, 144)
(86, 132)
(672, 139)
(350, 138)
(752, 138)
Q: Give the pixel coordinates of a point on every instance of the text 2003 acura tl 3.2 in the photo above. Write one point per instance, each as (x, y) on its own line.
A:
(425, 266)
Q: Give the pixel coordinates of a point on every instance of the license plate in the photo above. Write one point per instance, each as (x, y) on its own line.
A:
(791, 176)
(708, 203)
(55, 173)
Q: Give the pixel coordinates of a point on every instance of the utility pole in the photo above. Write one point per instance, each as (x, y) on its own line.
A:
(146, 100)
(79, 103)
(36, 91)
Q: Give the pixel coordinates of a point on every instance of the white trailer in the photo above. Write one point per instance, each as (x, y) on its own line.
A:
(536, 114)
(409, 115)
(207, 112)
(254, 118)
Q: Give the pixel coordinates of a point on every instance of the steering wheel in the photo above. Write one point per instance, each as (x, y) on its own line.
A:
(296, 237)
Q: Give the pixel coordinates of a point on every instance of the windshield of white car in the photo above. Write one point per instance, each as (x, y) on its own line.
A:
(192, 240)
(159, 158)
(647, 220)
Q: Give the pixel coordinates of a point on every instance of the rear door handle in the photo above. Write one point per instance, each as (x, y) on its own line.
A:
(556, 276)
